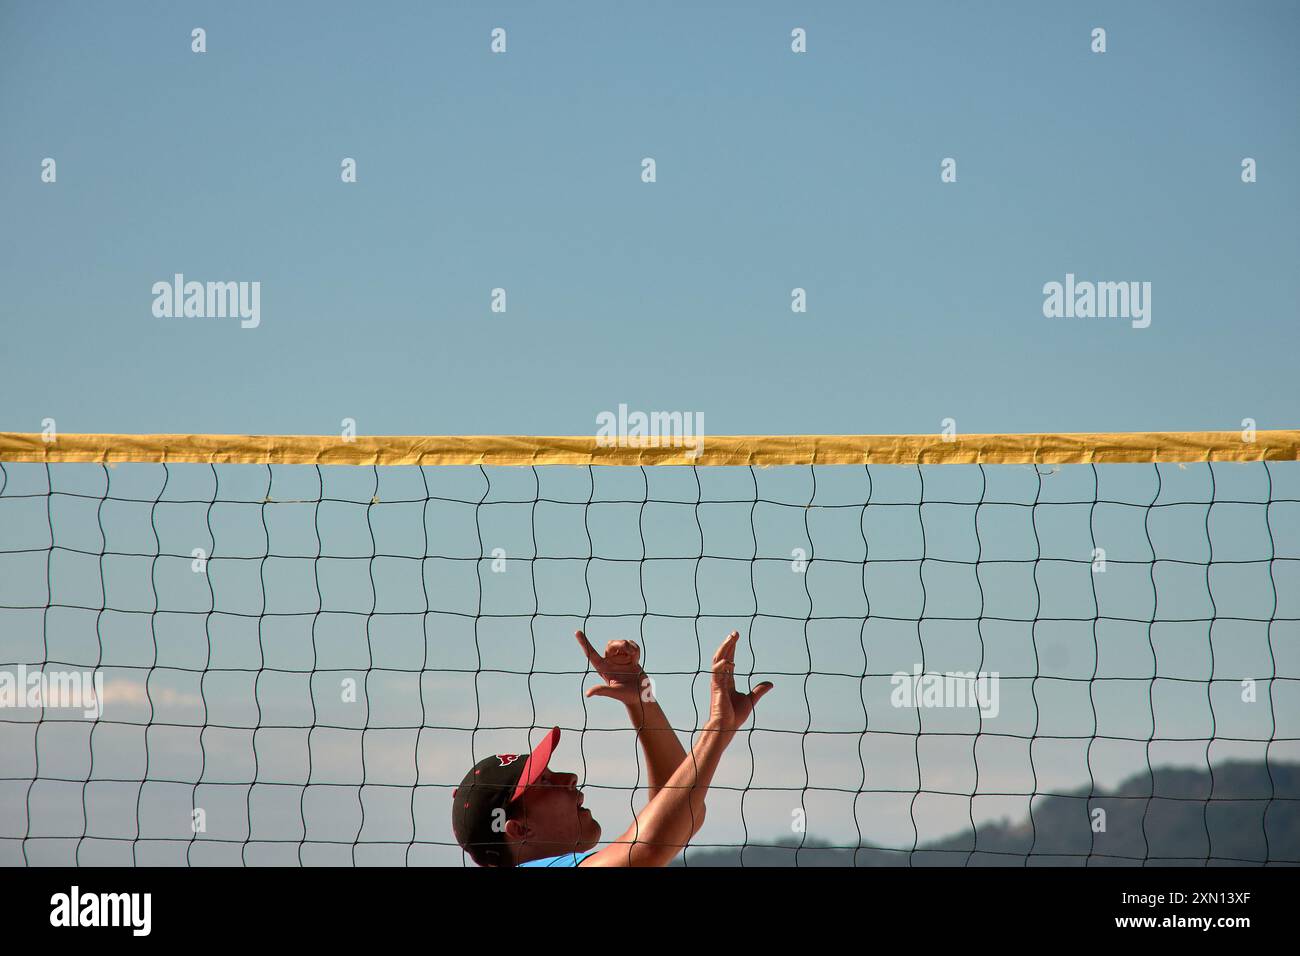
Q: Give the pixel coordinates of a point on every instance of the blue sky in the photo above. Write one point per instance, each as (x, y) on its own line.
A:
(522, 170)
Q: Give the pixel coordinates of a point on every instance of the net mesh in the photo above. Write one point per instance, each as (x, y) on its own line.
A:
(299, 662)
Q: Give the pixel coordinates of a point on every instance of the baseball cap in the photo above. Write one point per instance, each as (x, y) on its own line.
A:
(493, 784)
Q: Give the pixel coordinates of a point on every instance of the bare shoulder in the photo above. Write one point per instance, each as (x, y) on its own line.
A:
(615, 854)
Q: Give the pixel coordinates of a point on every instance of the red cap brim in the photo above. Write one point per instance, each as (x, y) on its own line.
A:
(536, 763)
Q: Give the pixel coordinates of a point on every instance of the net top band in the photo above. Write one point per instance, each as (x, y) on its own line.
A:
(710, 450)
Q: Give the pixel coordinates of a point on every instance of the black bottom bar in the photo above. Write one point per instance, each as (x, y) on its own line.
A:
(330, 906)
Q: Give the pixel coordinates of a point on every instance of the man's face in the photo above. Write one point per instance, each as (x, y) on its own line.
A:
(549, 819)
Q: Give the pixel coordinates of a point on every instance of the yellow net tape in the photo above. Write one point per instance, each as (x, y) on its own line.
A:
(1082, 448)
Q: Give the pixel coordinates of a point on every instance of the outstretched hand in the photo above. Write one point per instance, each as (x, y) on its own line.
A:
(620, 668)
(729, 708)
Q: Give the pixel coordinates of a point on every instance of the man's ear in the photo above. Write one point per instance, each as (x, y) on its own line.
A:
(517, 830)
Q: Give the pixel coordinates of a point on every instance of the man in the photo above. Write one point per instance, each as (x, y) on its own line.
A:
(512, 810)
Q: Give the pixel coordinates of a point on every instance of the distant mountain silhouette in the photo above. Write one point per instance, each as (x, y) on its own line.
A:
(1167, 817)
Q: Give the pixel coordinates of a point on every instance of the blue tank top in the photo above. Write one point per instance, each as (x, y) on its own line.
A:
(566, 859)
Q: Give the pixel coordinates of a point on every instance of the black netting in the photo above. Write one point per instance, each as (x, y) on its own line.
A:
(313, 656)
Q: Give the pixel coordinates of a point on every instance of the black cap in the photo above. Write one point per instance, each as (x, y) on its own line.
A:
(493, 784)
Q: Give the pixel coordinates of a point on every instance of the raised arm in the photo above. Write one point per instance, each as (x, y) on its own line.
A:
(666, 825)
(625, 681)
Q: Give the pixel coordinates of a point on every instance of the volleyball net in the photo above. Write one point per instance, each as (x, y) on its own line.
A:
(1062, 649)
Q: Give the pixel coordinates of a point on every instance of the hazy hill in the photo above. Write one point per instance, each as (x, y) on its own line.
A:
(1167, 817)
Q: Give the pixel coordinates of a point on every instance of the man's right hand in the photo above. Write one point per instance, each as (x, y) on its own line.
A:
(729, 708)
